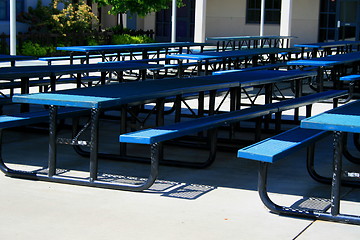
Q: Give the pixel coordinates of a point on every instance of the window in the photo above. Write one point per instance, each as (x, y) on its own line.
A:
(272, 11)
(327, 20)
(5, 8)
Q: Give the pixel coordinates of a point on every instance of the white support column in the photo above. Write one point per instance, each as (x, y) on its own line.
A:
(286, 18)
(12, 27)
(262, 18)
(173, 21)
(200, 21)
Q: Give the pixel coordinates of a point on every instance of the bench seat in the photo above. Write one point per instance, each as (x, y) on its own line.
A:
(76, 57)
(160, 134)
(45, 82)
(262, 67)
(277, 147)
(354, 77)
(156, 136)
(163, 133)
(27, 118)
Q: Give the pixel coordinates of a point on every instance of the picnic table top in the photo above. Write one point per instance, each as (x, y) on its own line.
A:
(44, 71)
(130, 47)
(137, 92)
(228, 54)
(327, 44)
(7, 58)
(328, 61)
(248, 38)
(345, 118)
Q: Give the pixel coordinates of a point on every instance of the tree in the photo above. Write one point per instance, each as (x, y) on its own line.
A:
(139, 7)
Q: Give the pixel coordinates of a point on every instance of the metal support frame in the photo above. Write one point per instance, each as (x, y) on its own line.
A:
(92, 181)
(310, 165)
(312, 214)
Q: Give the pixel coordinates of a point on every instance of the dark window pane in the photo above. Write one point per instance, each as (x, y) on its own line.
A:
(253, 16)
(253, 3)
(322, 35)
(332, 6)
(3, 7)
(272, 11)
(323, 21)
(331, 34)
(277, 4)
(332, 21)
(324, 5)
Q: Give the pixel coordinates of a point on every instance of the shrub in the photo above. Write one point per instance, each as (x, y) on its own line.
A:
(128, 39)
(34, 49)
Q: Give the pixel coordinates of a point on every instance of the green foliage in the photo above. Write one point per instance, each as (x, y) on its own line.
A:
(74, 18)
(92, 42)
(128, 39)
(140, 7)
(34, 49)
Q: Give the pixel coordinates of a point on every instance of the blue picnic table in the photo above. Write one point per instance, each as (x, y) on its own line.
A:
(337, 63)
(122, 95)
(132, 48)
(37, 75)
(251, 41)
(26, 72)
(326, 47)
(226, 57)
(341, 120)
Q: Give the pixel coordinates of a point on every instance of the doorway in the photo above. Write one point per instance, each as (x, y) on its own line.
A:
(339, 20)
(348, 20)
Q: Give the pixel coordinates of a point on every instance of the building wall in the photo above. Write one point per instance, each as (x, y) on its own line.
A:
(228, 18)
(305, 23)
(20, 27)
(148, 22)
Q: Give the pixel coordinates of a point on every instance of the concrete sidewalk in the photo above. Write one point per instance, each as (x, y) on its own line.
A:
(220, 202)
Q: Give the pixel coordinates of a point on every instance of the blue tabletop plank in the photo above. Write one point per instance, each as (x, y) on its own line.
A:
(130, 47)
(133, 92)
(345, 118)
(123, 93)
(328, 61)
(44, 71)
(328, 44)
(9, 58)
(249, 38)
(231, 54)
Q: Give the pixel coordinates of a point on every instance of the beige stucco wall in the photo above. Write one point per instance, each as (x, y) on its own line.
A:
(305, 23)
(228, 18)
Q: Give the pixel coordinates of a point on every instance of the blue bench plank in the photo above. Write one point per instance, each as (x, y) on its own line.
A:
(27, 118)
(262, 67)
(309, 99)
(279, 146)
(354, 77)
(150, 136)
